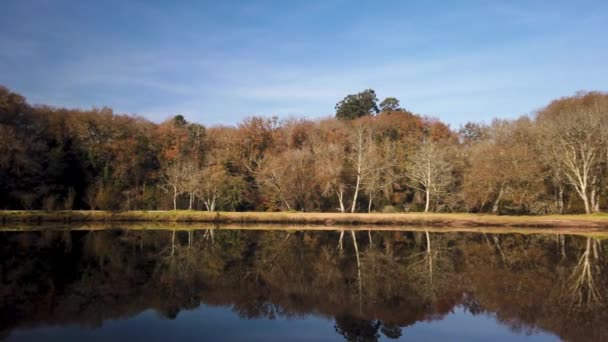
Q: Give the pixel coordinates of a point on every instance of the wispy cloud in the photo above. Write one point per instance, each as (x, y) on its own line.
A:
(220, 63)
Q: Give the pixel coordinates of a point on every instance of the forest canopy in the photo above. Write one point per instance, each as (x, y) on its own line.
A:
(373, 156)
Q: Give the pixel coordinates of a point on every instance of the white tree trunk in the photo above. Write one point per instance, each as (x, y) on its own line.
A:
(586, 202)
(427, 187)
(340, 240)
(595, 196)
(340, 194)
(212, 206)
(560, 199)
(354, 205)
(496, 205)
(174, 197)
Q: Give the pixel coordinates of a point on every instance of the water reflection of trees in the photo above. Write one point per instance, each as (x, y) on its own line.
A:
(584, 283)
(377, 283)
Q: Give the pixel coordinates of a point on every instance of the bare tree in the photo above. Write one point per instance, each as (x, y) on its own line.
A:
(429, 171)
(191, 181)
(381, 175)
(361, 156)
(504, 166)
(273, 173)
(211, 180)
(574, 134)
(174, 176)
(329, 160)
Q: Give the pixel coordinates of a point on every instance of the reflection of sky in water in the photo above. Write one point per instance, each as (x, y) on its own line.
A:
(221, 324)
(463, 326)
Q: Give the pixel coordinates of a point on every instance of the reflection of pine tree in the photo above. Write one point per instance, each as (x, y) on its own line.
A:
(391, 331)
(354, 329)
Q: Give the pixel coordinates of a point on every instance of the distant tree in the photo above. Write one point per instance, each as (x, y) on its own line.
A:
(381, 176)
(191, 181)
(471, 132)
(289, 177)
(174, 176)
(327, 145)
(217, 188)
(98, 159)
(196, 139)
(362, 148)
(390, 104)
(575, 135)
(357, 105)
(430, 171)
(503, 167)
(179, 120)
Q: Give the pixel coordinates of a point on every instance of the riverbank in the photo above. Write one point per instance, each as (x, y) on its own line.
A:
(297, 218)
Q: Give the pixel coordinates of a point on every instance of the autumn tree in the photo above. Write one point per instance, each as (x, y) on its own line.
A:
(59, 158)
(174, 179)
(382, 173)
(503, 166)
(429, 171)
(574, 133)
(327, 145)
(218, 189)
(361, 156)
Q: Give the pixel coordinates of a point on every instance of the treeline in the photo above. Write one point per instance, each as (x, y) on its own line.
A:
(374, 156)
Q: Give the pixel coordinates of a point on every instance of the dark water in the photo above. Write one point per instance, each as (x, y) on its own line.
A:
(238, 285)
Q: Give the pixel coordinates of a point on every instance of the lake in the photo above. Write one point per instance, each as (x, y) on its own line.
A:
(123, 284)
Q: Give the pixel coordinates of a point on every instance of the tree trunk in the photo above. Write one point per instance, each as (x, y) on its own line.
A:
(595, 199)
(286, 203)
(174, 198)
(276, 185)
(560, 199)
(340, 194)
(191, 201)
(496, 205)
(369, 204)
(359, 161)
(429, 256)
(358, 270)
(428, 200)
(212, 207)
(173, 243)
(340, 240)
(352, 209)
(586, 202)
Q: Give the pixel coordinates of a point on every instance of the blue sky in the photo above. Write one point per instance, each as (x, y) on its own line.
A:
(218, 62)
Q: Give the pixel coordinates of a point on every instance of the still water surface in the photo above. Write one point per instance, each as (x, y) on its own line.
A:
(244, 285)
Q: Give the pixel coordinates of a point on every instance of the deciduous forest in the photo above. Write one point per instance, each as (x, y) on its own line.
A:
(374, 156)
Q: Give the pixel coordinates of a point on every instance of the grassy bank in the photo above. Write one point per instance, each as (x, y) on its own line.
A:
(600, 233)
(324, 219)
